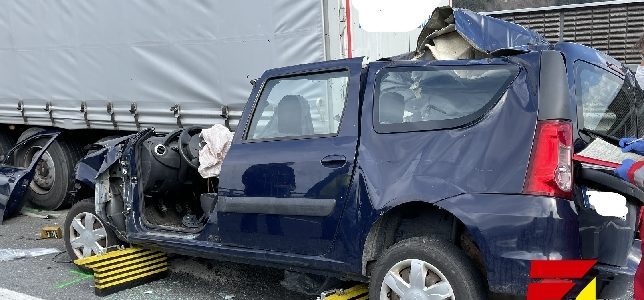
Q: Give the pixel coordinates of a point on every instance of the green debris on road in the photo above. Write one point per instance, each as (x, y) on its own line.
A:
(80, 276)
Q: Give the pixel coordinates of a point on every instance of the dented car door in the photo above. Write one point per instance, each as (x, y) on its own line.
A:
(286, 178)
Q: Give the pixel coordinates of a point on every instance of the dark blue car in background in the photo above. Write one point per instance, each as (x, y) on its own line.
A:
(439, 174)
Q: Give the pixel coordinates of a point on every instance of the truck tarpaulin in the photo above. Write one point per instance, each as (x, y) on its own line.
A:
(129, 65)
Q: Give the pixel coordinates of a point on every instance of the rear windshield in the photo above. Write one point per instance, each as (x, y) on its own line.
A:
(437, 97)
(606, 100)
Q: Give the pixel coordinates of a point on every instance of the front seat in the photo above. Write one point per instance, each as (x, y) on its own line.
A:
(392, 108)
(294, 116)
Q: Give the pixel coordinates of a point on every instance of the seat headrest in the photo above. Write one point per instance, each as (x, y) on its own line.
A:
(391, 108)
(291, 112)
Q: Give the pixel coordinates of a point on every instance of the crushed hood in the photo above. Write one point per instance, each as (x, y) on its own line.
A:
(463, 34)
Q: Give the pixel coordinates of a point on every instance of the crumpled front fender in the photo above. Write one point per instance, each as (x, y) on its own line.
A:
(15, 180)
(99, 160)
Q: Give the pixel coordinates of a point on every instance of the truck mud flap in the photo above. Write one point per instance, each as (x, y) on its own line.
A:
(14, 181)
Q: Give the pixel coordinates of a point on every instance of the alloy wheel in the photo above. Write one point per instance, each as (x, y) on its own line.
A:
(415, 279)
(87, 235)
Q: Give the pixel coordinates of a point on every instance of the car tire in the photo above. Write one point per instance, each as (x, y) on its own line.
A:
(444, 267)
(49, 190)
(77, 237)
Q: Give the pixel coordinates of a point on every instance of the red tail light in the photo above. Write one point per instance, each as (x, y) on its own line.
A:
(550, 168)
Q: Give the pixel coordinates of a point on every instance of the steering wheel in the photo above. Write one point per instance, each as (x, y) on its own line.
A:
(190, 142)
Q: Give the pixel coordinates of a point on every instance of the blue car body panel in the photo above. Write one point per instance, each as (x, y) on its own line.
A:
(510, 233)
(15, 180)
(435, 165)
(491, 34)
(262, 170)
(99, 160)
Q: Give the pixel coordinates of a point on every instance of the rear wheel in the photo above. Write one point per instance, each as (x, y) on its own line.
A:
(427, 269)
(85, 233)
(54, 175)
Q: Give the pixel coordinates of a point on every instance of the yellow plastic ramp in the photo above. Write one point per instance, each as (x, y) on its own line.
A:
(126, 268)
(358, 292)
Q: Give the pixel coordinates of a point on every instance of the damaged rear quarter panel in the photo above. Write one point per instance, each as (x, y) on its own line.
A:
(489, 156)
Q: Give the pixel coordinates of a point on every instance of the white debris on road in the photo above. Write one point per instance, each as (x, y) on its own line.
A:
(11, 254)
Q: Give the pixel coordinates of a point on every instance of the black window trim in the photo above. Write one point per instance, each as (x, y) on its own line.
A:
(461, 122)
(246, 140)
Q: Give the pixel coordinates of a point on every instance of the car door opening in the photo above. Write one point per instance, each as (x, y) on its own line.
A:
(174, 195)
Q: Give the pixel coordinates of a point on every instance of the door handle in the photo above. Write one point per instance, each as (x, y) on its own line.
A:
(334, 161)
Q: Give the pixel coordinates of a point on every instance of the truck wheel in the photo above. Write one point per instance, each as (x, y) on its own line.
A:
(425, 268)
(54, 176)
(85, 233)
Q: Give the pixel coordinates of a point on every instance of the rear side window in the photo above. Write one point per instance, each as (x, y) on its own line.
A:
(606, 101)
(437, 97)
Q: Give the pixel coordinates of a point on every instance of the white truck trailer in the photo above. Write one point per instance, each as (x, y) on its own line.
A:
(101, 68)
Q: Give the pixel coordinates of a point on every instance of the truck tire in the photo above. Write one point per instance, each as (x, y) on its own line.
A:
(54, 176)
(434, 263)
(6, 142)
(85, 234)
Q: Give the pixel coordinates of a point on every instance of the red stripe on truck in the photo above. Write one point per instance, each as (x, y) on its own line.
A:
(347, 10)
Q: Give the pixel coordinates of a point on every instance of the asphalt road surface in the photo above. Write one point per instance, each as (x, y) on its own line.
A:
(53, 276)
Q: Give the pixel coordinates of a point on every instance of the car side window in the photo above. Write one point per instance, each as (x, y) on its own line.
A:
(300, 106)
(606, 101)
(437, 97)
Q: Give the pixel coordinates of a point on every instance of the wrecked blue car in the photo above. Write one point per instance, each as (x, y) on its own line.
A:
(437, 174)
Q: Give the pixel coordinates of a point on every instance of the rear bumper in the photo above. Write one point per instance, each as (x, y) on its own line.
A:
(613, 282)
(513, 230)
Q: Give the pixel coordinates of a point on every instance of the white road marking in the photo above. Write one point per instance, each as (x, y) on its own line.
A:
(11, 295)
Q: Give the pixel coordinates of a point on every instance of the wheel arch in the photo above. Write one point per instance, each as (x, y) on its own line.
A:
(417, 218)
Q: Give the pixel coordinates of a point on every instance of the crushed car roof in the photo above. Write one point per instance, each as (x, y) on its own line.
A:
(454, 33)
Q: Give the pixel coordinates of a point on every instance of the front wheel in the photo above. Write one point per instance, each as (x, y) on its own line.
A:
(85, 233)
(425, 268)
